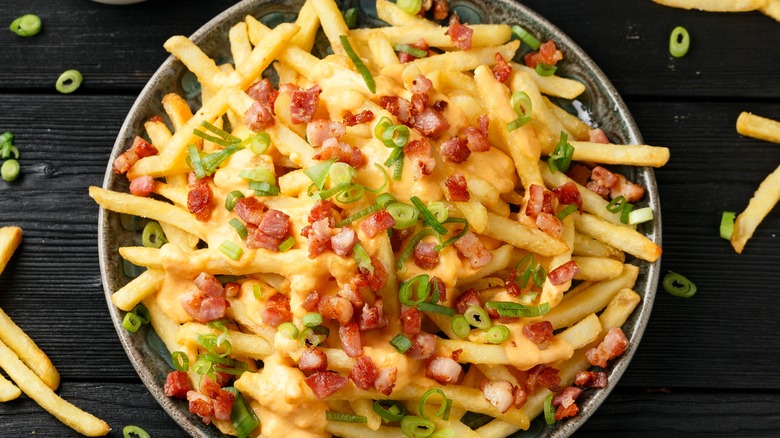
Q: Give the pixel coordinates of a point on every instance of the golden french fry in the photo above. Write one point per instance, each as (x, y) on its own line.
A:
(240, 47)
(10, 238)
(8, 391)
(762, 202)
(583, 332)
(309, 22)
(586, 246)
(242, 344)
(631, 155)
(158, 133)
(597, 268)
(352, 430)
(759, 127)
(553, 85)
(576, 127)
(521, 236)
(623, 238)
(475, 214)
(392, 14)
(484, 35)
(18, 341)
(771, 9)
(138, 289)
(715, 5)
(467, 60)
(332, 23)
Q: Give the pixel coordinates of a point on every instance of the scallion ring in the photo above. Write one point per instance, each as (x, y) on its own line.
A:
(410, 50)
(616, 204)
(398, 168)
(640, 215)
(678, 285)
(498, 334)
(477, 317)
(549, 410)
(396, 136)
(319, 173)
(263, 188)
(288, 330)
(10, 170)
(239, 227)
(523, 107)
(625, 212)
(727, 224)
(410, 6)
(401, 343)
(26, 25)
(428, 217)
(380, 127)
(311, 319)
(153, 235)
(69, 81)
(384, 183)
(340, 173)
(568, 210)
(359, 215)
(286, 244)
(439, 211)
(260, 143)
(545, 69)
(362, 258)
(260, 174)
(134, 431)
(435, 308)
(460, 326)
(338, 188)
(389, 410)
(561, 156)
(231, 199)
(231, 250)
(679, 42)
(405, 215)
(444, 408)
(422, 292)
(527, 38)
(131, 322)
(385, 199)
(353, 193)
(414, 426)
(517, 310)
(409, 250)
(180, 361)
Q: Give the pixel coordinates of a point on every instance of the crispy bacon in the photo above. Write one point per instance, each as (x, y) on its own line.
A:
(419, 102)
(200, 405)
(337, 308)
(204, 308)
(343, 241)
(376, 279)
(372, 317)
(539, 332)
(177, 384)
(424, 255)
(142, 186)
(259, 116)
(511, 284)
(477, 137)
(139, 149)
(423, 346)
(567, 396)
(550, 224)
(256, 238)
(350, 291)
(563, 273)
(569, 411)
(444, 370)
(598, 189)
(199, 201)
(361, 117)
(456, 149)
(313, 359)
(250, 210)
(411, 321)
(223, 405)
(457, 189)
(460, 34)
(430, 123)
(440, 9)
(617, 184)
(421, 85)
(303, 104)
(579, 173)
(319, 130)
(440, 105)
(547, 54)
(420, 152)
(613, 345)
(598, 136)
(591, 379)
(311, 301)
(325, 383)
(536, 201)
(520, 397)
(263, 91)
(568, 194)
(397, 106)
(385, 380)
(502, 69)
(466, 300)
(319, 237)
(209, 285)
(363, 373)
(344, 152)
(499, 393)
(541, 376)
(473, 249)
(322, 210)
(232, 290)
(377, 223)
(275, 224)
(209, 387)
(349, 335)
(277, 310)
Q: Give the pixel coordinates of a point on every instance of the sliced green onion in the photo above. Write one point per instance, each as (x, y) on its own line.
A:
(231, 199)
(288, 330)
(361, 68)
(344, 418)
(8, 138)
(286, 244)
(410, 50)
(401, 343)
(444, 408)
(561, 156)
(230, 249)
(239, 227)
(143, 313)
(427, 216)
(678, 285)
(26, 25)
(527, 38)
(423, 291)
(9, 150)
(444, 433)
(405, 215)
(312, 319)
(616, 204)
(640, 215)
(414, 426)
(549, 410)
(409, 250)
(362, 258)
(129, 431)
(212, 342)
(263, 188)
(195, 162)
(460, 326)
(498, 334)
(259, 174)
(10, 170)
(242, 416)
(394, 411)
(351, 17)
(477, 317)
(395, 155)
(319, 173)
(539, 275)
(625, 212)
(257, 291)
(180, 361)
(546, 69)
(69, 81)
(396, 136)
(410, 6)
(380, 127)
(315, 335)
(214, 139)
(153, 235)
(454, 238)
(439, 211)
(727, 224)
(131, 322)
(523, 107)
(398, 168)
(359, 215)
(384, 184)
(220, 132)
(340, 173)
(352, 194)
(385, 199)
(568, 210)
(212, 161)
(435, 308)
(259, 143)
(679, 42)
(325, 194)
(517, 310)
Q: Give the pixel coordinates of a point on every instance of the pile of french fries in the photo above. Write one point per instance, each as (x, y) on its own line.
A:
(595, 238)
(770, 8)
(29, 367)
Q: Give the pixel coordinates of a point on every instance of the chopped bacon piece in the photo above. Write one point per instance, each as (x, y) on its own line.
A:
(349, 335)
(478, 137)
(311, 301)
(430, 123)
(277, 310)
(177, 384)
(613, 345)
(444, 370)
(550, 224)
(322, 210)
(201, 406)
(232, 290)
(199, 201)
(440, 105)
(617, 184)
(604, 177)
(397, 106)
(142, 186)
(473, 249)
(203, 308)
(547, 54)
(319, 237)
(363, 373)
(460, 34)
(344, 152)
(563, 273)
(421, 85)
(361, 117)
(338, 308)
(376, 279)
(569, 411)
(423, 346)
(263, 91)
(139, 149)
(343, 241)
(456, 149)
(259, 116)
(419, 102)
(313, 359)
(350, 291)
(372, 317)
(598, 189)
(539, 332)
(567, 397)
(502, 70)
(466, 300)
(303, 104)
(223, 405)
(511, 285)
(591, 379)
(411, 321)
(325, 383)
(520, 397)
(627, 189)
(385, 380)
(377, 223)
(440, 9)
(319, 130)
(420, 152)
(209, 285)
(275, 224)
(256, 238)
(579, 173)
(541, 376)
(499, 393)
(457, 189)
(424, 255)
(209, 387)
(598, 136)
(568, 194)
(536, 201)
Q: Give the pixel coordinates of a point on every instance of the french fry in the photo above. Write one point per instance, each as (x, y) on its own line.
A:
(553, 85)
(771, 9)
(8, 391)
(751, 125)
(762, 202)
(332, 24)
(10, 238)
(484, 35)
(351, 430)
(597, 268)
(365, 408)
(475, 214)
(623, 238)
(586, 246)
(390, 13)
(158, 133)
(521, 81)
(521, 236)
(583, 332)
(382, 50)
(309, 22)
(242, 344)
(631, 155)
(240, 47)
(467, 60)
(576, 127)
(24, 347)
(715, 5)
(138, 289)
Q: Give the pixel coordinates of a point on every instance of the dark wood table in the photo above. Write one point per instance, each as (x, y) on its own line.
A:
(707, 365)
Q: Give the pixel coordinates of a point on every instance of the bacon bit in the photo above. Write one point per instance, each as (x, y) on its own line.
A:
(343, 242)
(204, 308)
(250, 210)
(361, 117)
(344, 152)
(547, 54)
(322, 210)
(466, 300)
(209, 285)
(541, 376)
(424, 255)
(350, 291)
(444, 370)
(613, 345)
(313, 359)
(430, 123)
(617, 184)
(319, 130)
(319, 237)
(419, 102)
(337, 308)
(277, 310)
(535, 203)
(404, 57)
(303, 104)
(398, 237)
(539, 332)
(256, 238)
(177, 384)
(477, 138)
(363, 373)
(142, 186)
(199, 201)
(563, 273)
(139, 149)
(375, 280)
(457, 189)
(591, 379)
(349, 335)
(423, 346)
(579, 173)
(473, 249)
(598, 136)
(259, 116)
(550, 224)
(568, 194)
(311, 301)
(201, 406)
(232, 290)
(499, 393)
(223, 405)
(325, 383)
(377, 223)
(511, 284)
(455, 149)
(520, 397)
(397, 106)
(567, 397)
(275, 224)
(502, 70)
(440, 9)
(422, 85)
(598, 189)
(263, 91)
(209, 387)
(604, 177)
(440, 105)
(460, 34)
(420, 152)
(570, 411)
(372, 317)
(411, 321)
(456, 354)
(385, 380)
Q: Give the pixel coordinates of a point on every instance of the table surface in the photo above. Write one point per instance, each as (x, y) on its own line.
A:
(706, 365)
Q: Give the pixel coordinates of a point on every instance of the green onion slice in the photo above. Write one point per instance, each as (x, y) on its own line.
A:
(454, 238)
(616, 204)
(444, 433)
(359, 215)
(396, 136)
(384, 184)
(69, 81)
(394, 157)
(212, 161)
(180, 361)
(153, 235)
(385, 199)
(410, 50)
(286, 244)
(727, 224)
(444, 408)
(351, 17)
(344, 418)
(405, 215)
(195, 162)
(439, 211)
(325, 194)
(560, 158)
(546, 69)
(398, 169)
(231, 199)
(259, 174)
(549, 410)
(498, 334)
(263, 188)
(625, 212)
(231, 250)
(410, 6)
(312, 319)
(361, 68)
(239, 227)
(362, 258)
(288, 330)
(8, 150)
(6, 138)
(527, 38)
(259, 143)
(10, 170)
(389, 410)
(214, 139)
(26, 25)
(523, 107)
(414, 426)
(568, 210)
(423, 290)
(340, 173)
(678, 285)
(640, 215)
(131, 431)
(409, 250)
(319, 173)
(315, 335)
(427, 216)
(435, 308)
(131, 322)
(353, 193)
(517, 310)
(679, 42)
(401, 343)
(381, 125)
(460, 326)
(242, 416)
(220, 132)
(477, 317)
(257, 291)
